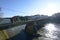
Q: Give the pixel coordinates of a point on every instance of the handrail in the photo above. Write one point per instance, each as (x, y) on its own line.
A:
(10, 25)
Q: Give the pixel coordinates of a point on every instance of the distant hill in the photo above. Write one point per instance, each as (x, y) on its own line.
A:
(35, 17)
(55, 18)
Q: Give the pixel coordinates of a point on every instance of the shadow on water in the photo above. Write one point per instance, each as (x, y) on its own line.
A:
(27, 35)
(23, 36)
(49, 32)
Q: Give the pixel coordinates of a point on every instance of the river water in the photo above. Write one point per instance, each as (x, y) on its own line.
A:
(15, 30)
(49, 32)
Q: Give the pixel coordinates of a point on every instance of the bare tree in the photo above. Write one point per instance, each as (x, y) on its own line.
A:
(1, 14)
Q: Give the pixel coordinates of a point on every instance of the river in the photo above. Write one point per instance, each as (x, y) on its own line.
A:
(49, 32)
(15, 30)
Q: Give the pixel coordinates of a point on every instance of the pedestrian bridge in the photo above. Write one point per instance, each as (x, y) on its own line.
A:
(12, 29)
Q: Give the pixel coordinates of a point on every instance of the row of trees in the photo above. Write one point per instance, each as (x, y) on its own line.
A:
(18, 19)
(55, 18)
(1, 14)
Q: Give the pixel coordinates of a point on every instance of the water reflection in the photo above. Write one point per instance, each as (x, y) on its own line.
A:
(51, 29)
(49, 32)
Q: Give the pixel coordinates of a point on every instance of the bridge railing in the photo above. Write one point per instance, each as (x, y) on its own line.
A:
(3, 32)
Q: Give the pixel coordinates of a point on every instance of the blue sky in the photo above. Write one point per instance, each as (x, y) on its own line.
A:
(29, 7)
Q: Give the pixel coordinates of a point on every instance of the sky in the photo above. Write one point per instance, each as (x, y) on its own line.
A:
(29, 7)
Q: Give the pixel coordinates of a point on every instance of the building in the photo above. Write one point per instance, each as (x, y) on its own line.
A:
(5, 20)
